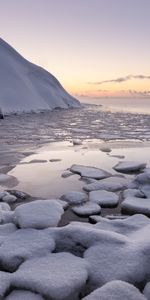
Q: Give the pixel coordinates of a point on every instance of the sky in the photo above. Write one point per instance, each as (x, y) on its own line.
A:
(95, 48)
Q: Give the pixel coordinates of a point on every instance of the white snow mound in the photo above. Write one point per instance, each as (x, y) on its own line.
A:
(27, 87)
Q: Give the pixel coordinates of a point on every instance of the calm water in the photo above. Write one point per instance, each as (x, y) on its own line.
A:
(44, 179)
(137, 105)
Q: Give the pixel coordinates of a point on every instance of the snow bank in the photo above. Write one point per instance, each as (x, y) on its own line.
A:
(27, 87)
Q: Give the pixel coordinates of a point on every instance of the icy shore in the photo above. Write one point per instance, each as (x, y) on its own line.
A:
(91, 243)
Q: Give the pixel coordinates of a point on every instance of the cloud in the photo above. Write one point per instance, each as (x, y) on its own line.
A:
(145, 93)
(121, 79)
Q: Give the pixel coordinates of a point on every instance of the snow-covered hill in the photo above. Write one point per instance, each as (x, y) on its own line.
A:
(26, 87)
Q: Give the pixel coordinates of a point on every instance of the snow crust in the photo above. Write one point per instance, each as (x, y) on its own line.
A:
(27, 87)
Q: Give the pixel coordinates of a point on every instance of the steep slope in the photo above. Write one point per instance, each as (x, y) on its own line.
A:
(26, 87)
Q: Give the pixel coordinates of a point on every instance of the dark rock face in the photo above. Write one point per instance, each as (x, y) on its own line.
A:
(1, 114)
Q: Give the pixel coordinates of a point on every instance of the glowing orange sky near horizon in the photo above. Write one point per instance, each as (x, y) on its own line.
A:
(83, 41)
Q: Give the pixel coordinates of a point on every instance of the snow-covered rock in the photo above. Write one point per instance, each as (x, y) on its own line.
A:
(5, 230)
(9, 198)
(4, 206)
(116, 290)
(23, 295)
(146, 291)
(87, 209)
(129, 166)
(77, 142)
(74, 197)
(143, 178)
(125, 226)
(27, 87)
(38, 214)
(57, 276)
(5, 178)
(105, 149)
(112, 184)
(136, 205)
(87, 171)
(133, 193)
(66, 174)
(104, 198)
(6, 216)
(24, 244)
(63, 203)
(5, 283)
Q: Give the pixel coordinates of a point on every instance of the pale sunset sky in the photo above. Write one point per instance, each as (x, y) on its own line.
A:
(93, 47)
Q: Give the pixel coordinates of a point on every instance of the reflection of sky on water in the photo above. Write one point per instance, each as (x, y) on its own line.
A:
(44, 179)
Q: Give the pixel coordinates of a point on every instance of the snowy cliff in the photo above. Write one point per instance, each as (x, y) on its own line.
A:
(26, 87)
